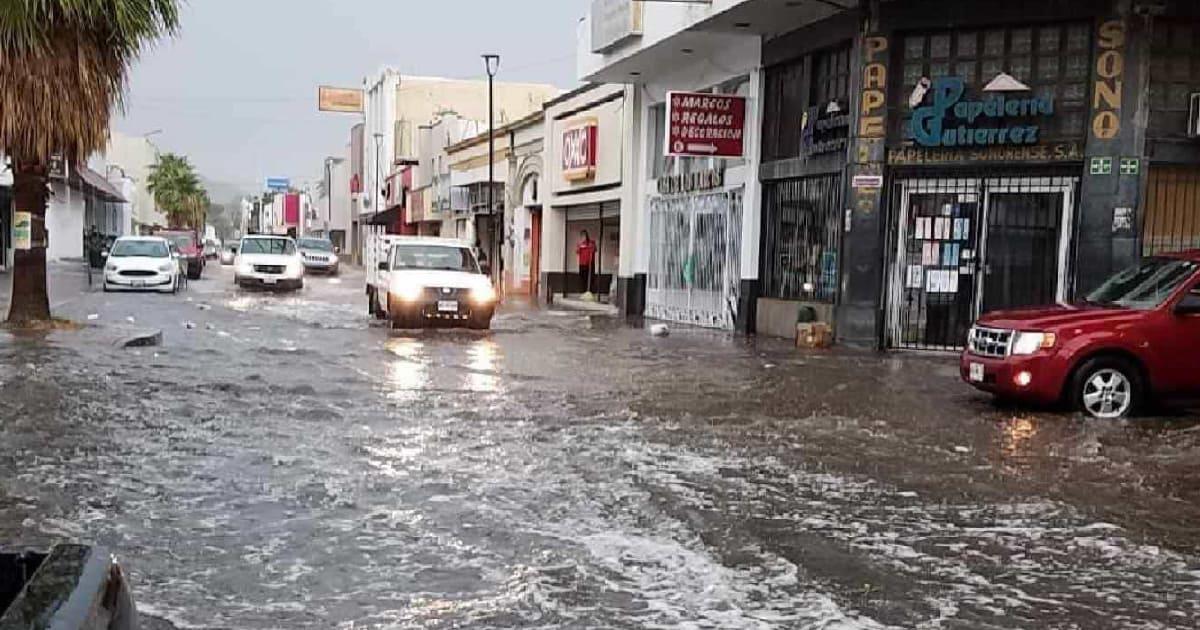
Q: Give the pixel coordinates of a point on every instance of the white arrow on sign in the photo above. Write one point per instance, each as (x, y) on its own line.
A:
(702, 148)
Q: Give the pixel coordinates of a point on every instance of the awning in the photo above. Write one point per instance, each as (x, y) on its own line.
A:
(90, 181)
(387, 217)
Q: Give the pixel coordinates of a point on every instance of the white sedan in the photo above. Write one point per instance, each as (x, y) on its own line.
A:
(271, 262)
(141, 263)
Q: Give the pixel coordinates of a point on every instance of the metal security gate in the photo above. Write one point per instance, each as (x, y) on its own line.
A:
(695, 258)
(968, 246)
(802, 238)
(1171, 216)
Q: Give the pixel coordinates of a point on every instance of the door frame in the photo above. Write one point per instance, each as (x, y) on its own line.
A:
(1004, 185)
(983, 186)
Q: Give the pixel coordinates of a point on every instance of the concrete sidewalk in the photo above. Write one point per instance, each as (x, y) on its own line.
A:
(66, 282)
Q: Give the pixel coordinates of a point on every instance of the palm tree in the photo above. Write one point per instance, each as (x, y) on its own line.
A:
(175, 185)
(63, 67)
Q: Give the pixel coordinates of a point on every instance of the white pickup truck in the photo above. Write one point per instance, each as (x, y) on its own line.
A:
(425, 281)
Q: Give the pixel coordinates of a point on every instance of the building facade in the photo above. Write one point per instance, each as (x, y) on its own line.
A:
(590, 176)
(523, 204)
(920, 162)
(693, 219)
(397, 107)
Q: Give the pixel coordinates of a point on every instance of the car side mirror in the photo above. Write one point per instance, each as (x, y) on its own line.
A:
(337, 250)
(383, 266)
(104, 254)
(485, 269)
(1189, 305)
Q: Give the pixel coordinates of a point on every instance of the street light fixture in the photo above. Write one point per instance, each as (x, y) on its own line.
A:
(376, 184)
(491, 63)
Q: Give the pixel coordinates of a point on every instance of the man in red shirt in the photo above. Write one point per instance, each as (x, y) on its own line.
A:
(586, 251)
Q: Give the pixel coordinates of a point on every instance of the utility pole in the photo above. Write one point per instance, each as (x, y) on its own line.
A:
(377, 185)
(491, 63)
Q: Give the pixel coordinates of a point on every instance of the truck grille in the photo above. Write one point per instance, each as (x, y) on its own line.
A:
(268, 268)
(990, 342)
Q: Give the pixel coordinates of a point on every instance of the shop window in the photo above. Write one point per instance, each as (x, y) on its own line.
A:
(801, 238)
(1051, 59)
(832, 81)
(1174, 76)
(784, 97)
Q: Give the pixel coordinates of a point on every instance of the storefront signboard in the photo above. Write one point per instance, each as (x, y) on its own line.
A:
(1110, 72)
(22, 230)
(950, 120)
(344, 100)
(1059, 152)
(708, 179)
(705, 125)
(579, 150)
(867, 181)
(824, 131)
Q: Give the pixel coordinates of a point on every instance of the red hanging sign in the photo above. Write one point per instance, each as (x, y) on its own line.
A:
(706, 125)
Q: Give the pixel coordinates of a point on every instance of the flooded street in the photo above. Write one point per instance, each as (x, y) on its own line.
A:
(283, 462)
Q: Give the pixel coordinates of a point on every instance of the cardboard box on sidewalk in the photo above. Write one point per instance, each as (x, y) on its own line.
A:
(814, 335)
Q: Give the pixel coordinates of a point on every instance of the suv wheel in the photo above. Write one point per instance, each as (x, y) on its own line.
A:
(1108, 388)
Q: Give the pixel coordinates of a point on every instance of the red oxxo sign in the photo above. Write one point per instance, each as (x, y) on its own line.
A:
(579, 151)
(708, 125)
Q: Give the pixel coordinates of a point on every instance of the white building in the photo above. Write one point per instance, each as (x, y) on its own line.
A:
(697, 218)
(132, 157)
(590, 183)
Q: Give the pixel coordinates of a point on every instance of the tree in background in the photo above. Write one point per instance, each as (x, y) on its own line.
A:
(63, 66)
(177, 191)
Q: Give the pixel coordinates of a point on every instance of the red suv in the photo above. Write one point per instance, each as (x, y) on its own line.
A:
(189, 247)
(1134, 338)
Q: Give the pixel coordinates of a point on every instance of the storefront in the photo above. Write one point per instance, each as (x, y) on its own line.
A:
(701, 225)
(587, 174)
(807, 117)
(995, 163)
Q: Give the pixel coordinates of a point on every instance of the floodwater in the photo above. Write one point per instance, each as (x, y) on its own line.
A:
(282, 462)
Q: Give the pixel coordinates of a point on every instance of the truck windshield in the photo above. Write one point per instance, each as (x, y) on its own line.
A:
(284, 246)
(435, 257)
(1145, 285)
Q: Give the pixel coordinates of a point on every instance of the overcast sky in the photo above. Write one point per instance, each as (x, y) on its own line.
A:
(236, 90)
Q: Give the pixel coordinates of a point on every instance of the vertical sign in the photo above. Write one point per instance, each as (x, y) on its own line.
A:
(869, 150)
(22, 230)
(705, 125)
(1110, 74)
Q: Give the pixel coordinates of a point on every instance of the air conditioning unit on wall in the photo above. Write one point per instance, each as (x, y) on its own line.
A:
(1193, 129)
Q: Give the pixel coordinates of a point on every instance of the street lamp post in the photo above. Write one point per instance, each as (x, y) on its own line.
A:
(491, 63)
(376, 184)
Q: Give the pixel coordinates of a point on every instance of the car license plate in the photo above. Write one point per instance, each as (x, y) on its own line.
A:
(137, 284)
(447, 306)
(976, 372)
(268, 280)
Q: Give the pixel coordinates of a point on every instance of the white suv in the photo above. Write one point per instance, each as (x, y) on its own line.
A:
(267, 261)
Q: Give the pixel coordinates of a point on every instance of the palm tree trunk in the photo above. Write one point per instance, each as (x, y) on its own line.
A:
(30, 301)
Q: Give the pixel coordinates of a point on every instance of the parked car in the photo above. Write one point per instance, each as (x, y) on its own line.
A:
(229, 254)
(141, 263)
(189, 246)
(1135, 338)
(319, 255)
(435, 281)
(268, 261)
(212, 249)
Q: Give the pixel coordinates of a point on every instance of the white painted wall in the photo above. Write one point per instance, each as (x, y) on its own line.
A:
(742, 58)
(64, 222)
